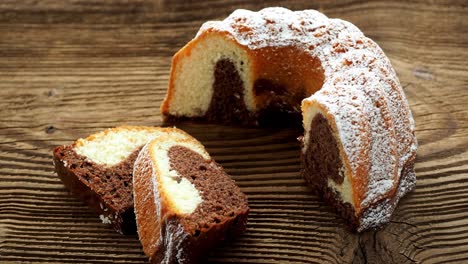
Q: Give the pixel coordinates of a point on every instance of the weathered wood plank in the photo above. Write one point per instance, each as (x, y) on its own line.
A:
(68, 69)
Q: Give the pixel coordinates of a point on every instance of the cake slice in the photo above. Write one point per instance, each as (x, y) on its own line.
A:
(184, 201)
(99, 169)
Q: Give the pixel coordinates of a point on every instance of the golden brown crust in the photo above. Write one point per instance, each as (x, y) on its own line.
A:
(101, 134)
(144, 200)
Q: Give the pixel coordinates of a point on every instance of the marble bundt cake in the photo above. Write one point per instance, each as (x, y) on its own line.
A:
(359, 145)
(99, 170)
(184, 201)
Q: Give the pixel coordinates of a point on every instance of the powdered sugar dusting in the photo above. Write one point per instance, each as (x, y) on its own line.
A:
(361, 90)
(174, 239)
(381, 212)
(105, 219)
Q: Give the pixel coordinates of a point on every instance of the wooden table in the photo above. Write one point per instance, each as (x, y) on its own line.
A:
(71, 69)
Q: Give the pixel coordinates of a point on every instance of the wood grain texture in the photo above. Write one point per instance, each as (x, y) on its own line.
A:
(71, 68)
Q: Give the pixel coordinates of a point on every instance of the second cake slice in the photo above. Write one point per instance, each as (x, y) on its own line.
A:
(184, 201)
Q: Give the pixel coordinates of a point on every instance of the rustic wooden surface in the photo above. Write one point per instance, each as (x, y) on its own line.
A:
(68, 69)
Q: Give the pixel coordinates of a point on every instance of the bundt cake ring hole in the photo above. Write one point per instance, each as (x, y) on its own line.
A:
(277, 93)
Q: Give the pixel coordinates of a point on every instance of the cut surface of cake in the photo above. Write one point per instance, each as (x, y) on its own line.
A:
(273, 65)
(184, 201)
(99, 169)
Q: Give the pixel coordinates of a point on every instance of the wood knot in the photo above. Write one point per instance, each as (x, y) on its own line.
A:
(51, 92)
(50, 129)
